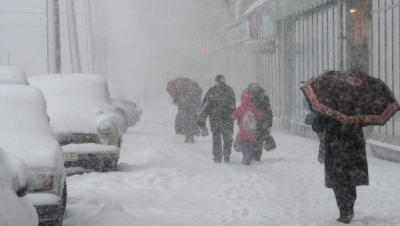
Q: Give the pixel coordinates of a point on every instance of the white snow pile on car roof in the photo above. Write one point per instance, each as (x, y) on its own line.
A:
(75, 101)
(25, 130)
(13, 210)
(12, 75)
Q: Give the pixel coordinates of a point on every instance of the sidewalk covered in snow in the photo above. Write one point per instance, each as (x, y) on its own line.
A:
(164, 181)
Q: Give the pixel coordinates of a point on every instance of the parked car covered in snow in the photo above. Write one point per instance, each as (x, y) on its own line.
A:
(12, 75)
(25, 132)
(81, 103)
(15, 208)
(128, 110)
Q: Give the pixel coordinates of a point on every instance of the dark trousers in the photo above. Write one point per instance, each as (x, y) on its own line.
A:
(247, 148)
(321, 152)
(218, 146)
(345, 198)
(258, 149)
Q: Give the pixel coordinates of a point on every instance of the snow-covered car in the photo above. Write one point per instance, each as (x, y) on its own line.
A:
(128, 110)
(15, 208)
(12, 75)
(81, 103)
(25, 132)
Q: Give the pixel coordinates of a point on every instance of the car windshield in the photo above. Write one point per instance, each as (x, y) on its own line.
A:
(23, 109)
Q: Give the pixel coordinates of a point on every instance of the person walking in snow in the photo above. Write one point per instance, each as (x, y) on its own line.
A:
(248, 115)
(346, 164)
(218, 104)
(261, 101)
(186, 118)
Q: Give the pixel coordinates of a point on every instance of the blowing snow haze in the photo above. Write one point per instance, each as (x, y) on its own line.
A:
(155, 41)
(139, 45)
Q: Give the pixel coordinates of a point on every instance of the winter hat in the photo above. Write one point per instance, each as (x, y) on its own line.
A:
(220, 78)
(255, 88)
(253, 85)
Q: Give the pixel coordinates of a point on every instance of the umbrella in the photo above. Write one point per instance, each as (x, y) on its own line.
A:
(184, 89)
(351, 97)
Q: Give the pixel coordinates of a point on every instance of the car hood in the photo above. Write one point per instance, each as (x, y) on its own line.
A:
(81, 116)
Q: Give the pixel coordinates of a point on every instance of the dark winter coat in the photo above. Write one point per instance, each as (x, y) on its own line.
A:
(239, 113)
(261, 101)
(187, 117)
(218, 104)
(345, 156)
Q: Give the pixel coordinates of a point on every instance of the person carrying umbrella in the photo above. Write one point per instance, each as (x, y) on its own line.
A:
(186, 95)
(345, 102)
(218, 104)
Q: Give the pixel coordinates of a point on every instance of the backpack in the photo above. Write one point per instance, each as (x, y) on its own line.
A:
(249, 121)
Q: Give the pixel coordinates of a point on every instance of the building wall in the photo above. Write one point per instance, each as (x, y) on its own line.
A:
(237, 64)
(318, 37)
(385, 57)
(329, 37)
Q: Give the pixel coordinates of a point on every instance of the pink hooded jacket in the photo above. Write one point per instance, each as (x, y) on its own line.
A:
(245, 106)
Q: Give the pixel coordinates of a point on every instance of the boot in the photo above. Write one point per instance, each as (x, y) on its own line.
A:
(191, 139)
(345, 217)
(227, 158)
(217, 160)
(257, 156)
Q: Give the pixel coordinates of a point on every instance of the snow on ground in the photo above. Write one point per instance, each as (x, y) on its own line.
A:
(163, 181)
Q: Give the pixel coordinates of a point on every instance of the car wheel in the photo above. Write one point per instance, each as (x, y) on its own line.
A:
(111, 165)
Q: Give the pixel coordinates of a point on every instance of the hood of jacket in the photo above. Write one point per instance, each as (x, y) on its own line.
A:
(256, 89)
(245, 98)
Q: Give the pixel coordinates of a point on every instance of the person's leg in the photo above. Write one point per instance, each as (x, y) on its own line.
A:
(351, 200)
(339, 199)
(257, 149)
(186, 138)
(345, 199)
(321, 152)
(227, 137)
(191, 139)
(217, 146)
(247, 153)
(244, 152)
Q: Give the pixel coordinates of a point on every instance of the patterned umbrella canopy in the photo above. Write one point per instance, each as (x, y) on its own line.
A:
(351, 97)
(184, 89)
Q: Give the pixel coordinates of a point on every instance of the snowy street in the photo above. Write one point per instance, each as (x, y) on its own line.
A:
(163, 181)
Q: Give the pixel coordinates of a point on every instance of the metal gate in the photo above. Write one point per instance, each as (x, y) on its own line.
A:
(385, 53)
(271, 76)
(318, 47)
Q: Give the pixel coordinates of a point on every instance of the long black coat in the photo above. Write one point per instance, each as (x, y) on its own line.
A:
(261, 101)
(345, 158)
(219, 103)
(187, 117)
